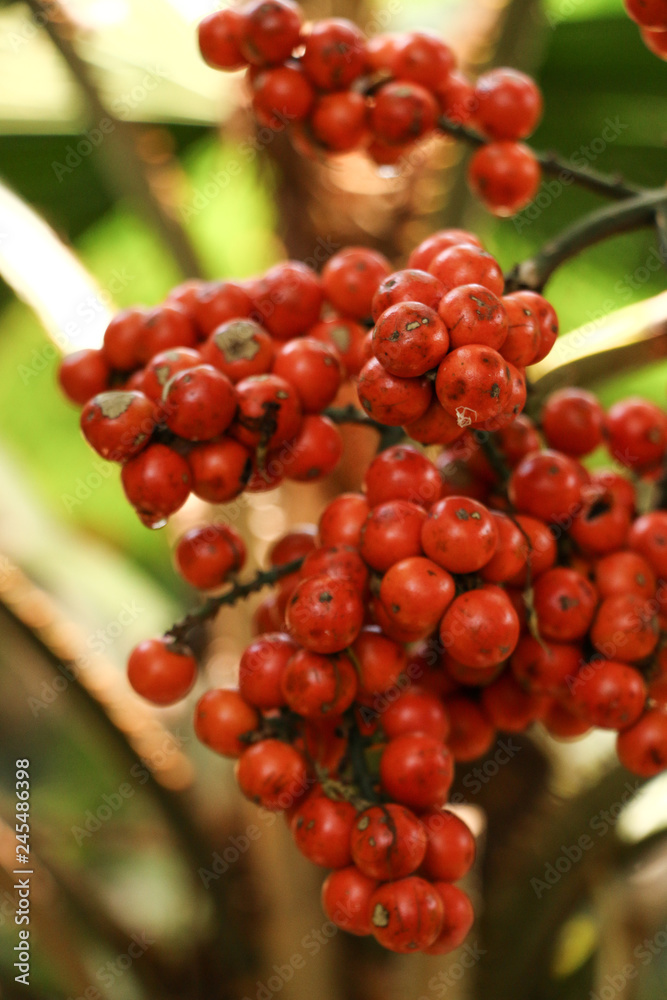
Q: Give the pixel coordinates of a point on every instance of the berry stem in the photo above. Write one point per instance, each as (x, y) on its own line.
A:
(612, 186)
(351, 415)
(238, 592)
(633, 213)
(357, 757)
(494, 456)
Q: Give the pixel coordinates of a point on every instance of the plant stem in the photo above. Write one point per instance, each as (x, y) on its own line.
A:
(613, 186)
(350, 414)
(357, 759)
(239, 591)
(633, 213)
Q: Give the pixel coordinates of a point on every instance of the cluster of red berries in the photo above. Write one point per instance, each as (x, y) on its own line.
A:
(449, 349)
(442, 604)
(221, 388)
(339, 91)
(651, 16)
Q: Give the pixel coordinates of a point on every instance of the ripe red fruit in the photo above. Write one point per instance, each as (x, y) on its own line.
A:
(505, 176)
(334, 53)
(118, 425)
(648, 13)
(387, 842)
(315, 452)
(220, 469)
(161, 670)
(648, 537)
(288, 299)
(471, 732)
(410, 285)
(313, 369)
(392, 532)
(269, 412)
(407, 915)
(509, 707)
(450, 851)
(625, 627)
(270, 29)
(509, 104)
(339, 121)
(565, 603)
(421, 58)
(416, 710)
(545, 667)
(511, 552)
(199, 403)
(642, 748)
(467, 264)
(350, 279)
(573, 421)
(409, 339)
(157, 483)
(347, 337)
(322, 827)
(473, 384)
(402, 473)
(83, 375)
(458, 918)
(123, 346)
(655, 41)
(547, 485)
(459, 534)
(417, 771)
(480, 628)
(523, 332)
(342, 561)
(474, 315)
(216, 302)
(624, 573)
(222, 716)
(380, 660)
(415, 593)
(239, 348)
(346, 895)
(637, 432)
(342, 519)
(219, 39)
(456, 95)
(428, 249)
(281, 95)
(609, 694)
(324, 614)
(403, 112)
(392, 400)
(315, 686)
(272, 774)
(205, 556)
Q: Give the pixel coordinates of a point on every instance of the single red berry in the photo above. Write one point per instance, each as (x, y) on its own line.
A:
(347, 337)
(402, 473)
(473, 384)
(523, 332)
(342, 561)
(270, 30)
(315, 452)
(459, 534)
(206, 555)
(416, 771)
(222, 717)
(625, 573)
(573, 421)
(269, 412)
(387, 842)
(546, 317)
(199, 403)
(511, 552)
(281, 95)
(392, 400)
(509, 104)
(83, 375)
(471, 731)
(547, 485)
(219, 35)
(314, 369)
(509, 707)
(380, 661)
(642, 748)
(334, 53)
(217, 302)
(505, 176)
(407, 915)
(426, 251)
(625, 627)
(118, 425)
(350, 279)
(421, 57)
(565, 603)
(288, 299)
(315, 686)
(637, 432)
(325, 614)
(655, 41)
(545, 667)
(474, 315)
(342, 519)
(410, 285)
(167, 327)
(392, 532)
(322, 828)
(480, 628)
(450, 850)
(123, 346)
(467, 264)
(161, 670)
(346, 895)
(272, 774)
(163, 366)
(339, 121)
(261, 669)
(239, 348)
(609, 694)
(650, 14)
(220, 469)
(409, 339)
(156, 482)
(456, 96)
(415, 711)
(648, 537)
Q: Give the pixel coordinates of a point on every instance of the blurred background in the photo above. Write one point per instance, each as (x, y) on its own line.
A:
(153, 878)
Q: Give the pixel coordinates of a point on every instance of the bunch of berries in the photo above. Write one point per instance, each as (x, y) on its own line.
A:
(447, 601)
(339, 91)
(651, 16)
(449, 349)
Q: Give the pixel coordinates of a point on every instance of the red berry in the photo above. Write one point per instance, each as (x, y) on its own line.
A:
(261, 669)
(565, 603)
(315, 452)
(222, 716)
(392, 532)
(346, 895)
(392, 400)
(281, 96)
(339, 121)
(505, 176)
(648, 13)
(625, 627)
(239, 348)
(402, 473)
(288, 298)
(473, 384)
(269, 412)
(220, 469)
(407, 915)
(509, 104)
(450, 851)
(421, 58)
(219, 39)
(272, 774)
(205, 556)
(322, 827)
(380, 661)
(161, 671)
(83, 375)
(217, 302)
(573, 421)
(480, 628)
(458, 919)
(417, 771)
(459, 534)
(403, 112)
(316, 686)
(547, 485)
(324, 614)
(655, 41)
(342, 520)
(642, 748)
(350, 279)
(409, 339)
(637, 433)
(609, 694)
(467, 264)
(474, 315)
(123, 346)
(118, 425)
(156, 482)
(270, 29)
(334, 53)
(347, 337)
(410, 285)
(313, 369)
(428, 249)
(387, 842)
